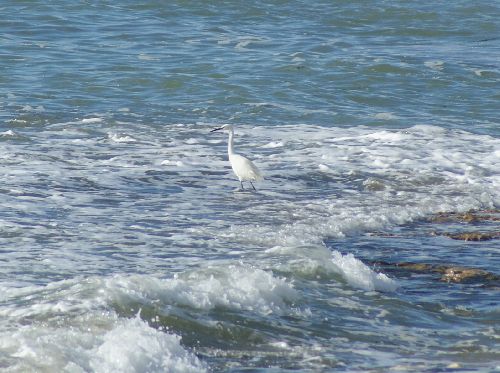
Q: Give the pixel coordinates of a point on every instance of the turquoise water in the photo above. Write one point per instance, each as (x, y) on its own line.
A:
(125, 245)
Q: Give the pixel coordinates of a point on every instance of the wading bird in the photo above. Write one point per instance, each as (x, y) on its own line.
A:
(243, 168)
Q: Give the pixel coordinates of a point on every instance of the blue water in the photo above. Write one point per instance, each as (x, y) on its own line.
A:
(324, 63)
(126, 246)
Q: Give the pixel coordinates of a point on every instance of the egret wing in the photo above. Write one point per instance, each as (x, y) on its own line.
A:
(245, 169)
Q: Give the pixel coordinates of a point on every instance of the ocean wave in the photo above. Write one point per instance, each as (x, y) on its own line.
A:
(98, 342)
(319, 262)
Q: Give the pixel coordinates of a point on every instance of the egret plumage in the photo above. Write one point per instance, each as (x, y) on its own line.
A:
(243, 168)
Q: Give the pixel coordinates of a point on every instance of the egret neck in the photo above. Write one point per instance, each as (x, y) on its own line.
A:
(230, 150)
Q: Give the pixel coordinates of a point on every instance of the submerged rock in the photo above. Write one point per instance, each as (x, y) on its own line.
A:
(461, 274)
(467, 217)
(473, 236)
(449, 273)
(487, 219)
(373, 184)
(416, 267)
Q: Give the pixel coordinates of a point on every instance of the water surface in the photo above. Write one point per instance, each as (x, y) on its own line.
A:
(126, 246)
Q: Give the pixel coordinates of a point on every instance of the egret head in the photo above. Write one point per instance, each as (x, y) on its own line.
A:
(225, 127)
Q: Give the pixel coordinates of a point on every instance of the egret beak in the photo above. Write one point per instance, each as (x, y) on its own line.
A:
(216, 129)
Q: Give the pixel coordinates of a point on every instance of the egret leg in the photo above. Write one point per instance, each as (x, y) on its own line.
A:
(252, 186)
(241, 182)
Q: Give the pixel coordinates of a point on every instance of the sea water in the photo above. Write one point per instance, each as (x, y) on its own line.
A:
(126, 246)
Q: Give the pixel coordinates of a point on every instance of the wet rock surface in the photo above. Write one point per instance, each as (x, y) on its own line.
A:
(473, 236)
(447, 273)
(461, 274)
(467, 217)
(473, 225)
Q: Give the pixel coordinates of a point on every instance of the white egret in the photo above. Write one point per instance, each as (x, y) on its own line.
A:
(243, 168)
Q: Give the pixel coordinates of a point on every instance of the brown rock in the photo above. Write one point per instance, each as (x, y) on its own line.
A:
(468, 217)
(417, 267)
(449, 273)
(473, 236)
(460, 274)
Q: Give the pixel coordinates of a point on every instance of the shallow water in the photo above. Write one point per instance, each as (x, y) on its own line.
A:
(126, 245)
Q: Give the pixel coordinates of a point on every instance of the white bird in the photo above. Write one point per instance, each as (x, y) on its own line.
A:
(243, 168)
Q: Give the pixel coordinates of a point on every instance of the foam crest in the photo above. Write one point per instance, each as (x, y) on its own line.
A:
(360, 276)
(72, 325)
(97, 342)
(115, 137)
(234, 287)
(133, 346)
(318, 260)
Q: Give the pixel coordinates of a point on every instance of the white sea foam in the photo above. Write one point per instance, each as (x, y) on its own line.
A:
(91, 120)
(8, 133)
(274, 144)
(133, 346)
(434, 65)
(234, 287)
(399, 175)
(175, 209)
(71, 324)
(318, 260)
(243, 42)
(357, 274)
(168, 162)
(147, 57)
(120, 138)
(324, 168)
(97, 342)
(385, 116)
(38, 109)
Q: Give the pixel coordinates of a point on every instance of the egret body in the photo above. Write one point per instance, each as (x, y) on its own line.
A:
(243, 168)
